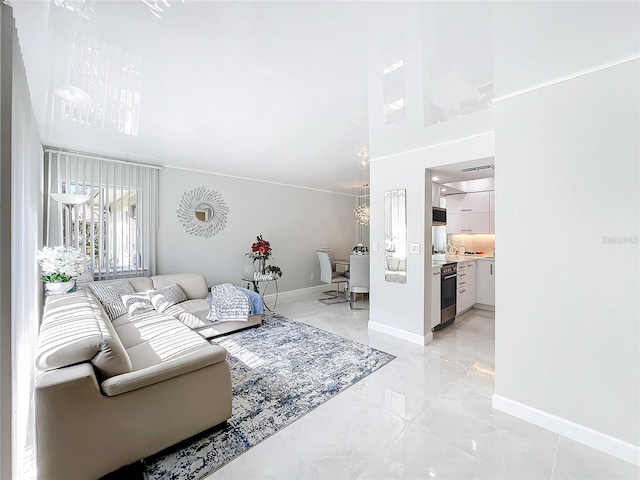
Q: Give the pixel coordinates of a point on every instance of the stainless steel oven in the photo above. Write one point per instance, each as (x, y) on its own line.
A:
(448, 294)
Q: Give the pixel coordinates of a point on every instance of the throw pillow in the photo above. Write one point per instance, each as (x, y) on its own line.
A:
(166, 297)
(110, 296)
(137, 303)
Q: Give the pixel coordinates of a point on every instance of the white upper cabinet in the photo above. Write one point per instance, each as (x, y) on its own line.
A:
(477, 202)
(470, 213)
(435, 194)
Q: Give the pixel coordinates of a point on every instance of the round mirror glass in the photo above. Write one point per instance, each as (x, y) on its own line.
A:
(204, 212)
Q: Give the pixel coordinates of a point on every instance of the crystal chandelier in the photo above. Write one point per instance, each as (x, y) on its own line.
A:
(362, 211)
(362, 214)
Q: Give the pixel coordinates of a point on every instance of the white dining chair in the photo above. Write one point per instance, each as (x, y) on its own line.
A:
(359, 278)
(327, 276)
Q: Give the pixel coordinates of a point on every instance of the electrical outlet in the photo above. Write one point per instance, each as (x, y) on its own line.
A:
(313, 276)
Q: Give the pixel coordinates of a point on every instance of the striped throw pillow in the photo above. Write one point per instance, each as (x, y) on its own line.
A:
(110, 296)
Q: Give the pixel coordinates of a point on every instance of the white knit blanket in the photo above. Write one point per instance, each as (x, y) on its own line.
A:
(228, 303)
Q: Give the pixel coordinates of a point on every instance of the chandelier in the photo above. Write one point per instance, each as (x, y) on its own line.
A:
(362, 211)
(362, 214)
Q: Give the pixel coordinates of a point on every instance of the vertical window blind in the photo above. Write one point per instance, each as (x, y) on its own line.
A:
(116, 226)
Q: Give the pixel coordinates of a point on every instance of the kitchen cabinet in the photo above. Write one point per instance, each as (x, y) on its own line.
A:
(469, 213)
(476, 202)
(485, 282)
(466, 294)
(468, 223)
(435, 297)
(435, 194)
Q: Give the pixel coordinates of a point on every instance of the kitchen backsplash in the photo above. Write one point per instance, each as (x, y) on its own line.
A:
(477, 242)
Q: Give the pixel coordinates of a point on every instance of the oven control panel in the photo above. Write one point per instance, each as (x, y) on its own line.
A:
(449, 268)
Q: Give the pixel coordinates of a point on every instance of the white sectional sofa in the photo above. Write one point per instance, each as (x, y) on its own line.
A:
(111, 391)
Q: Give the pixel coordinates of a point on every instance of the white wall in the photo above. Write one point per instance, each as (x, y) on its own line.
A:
(567, 167)
(6, 397)
(296, 221)
(27, 221)
(535, 42)
(570, 345)
(25, 233)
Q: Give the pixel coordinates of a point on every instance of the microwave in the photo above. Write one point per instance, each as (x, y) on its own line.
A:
(439, 216)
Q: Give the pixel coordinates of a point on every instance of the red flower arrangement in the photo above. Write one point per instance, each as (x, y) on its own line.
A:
(260, 249)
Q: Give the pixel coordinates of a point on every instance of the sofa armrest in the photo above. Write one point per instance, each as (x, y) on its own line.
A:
(201, 358)
(67, 375)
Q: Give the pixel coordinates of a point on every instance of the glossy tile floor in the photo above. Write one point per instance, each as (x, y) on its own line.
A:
(425, 415)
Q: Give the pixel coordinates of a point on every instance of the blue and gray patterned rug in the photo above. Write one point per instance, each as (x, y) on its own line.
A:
(280, 371)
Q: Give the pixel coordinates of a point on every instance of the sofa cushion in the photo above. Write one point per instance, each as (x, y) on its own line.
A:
(194, 285)
(112, 359)
(141, 284)
(109, 293)
(137, 303)
(192, 313)
(166, 297)
(145, 327)
(69, 333)
(172, 343)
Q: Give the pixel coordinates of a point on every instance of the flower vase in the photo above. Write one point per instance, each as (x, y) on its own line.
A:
(261, 265)
(57, 288)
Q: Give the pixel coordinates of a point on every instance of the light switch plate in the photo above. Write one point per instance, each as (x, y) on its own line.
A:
(414, 248)
(374, 247)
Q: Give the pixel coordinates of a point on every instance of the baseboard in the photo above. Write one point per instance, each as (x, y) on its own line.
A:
(587, 436)
(316, 288)
(402, 334)
(482, 306)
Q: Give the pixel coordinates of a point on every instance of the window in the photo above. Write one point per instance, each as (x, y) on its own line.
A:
(116, 225)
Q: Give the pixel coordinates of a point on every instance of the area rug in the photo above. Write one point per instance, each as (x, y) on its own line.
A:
(280, 371)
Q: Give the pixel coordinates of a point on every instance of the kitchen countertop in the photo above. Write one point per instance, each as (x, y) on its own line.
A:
(441, 258)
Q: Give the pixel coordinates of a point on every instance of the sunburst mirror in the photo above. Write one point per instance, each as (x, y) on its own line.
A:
(203, 212)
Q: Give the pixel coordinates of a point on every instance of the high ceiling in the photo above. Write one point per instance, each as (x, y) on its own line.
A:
(278, 90)
(275, 91)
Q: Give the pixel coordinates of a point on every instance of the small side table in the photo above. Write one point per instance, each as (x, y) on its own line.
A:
(256, 288)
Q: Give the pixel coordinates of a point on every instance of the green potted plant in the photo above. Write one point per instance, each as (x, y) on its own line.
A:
(273, 270)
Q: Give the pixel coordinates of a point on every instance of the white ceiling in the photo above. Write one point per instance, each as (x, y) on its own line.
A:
(458, 178)
(278, 90)
(275, 91)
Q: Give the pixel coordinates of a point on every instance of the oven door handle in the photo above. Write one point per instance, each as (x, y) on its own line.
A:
(450, 276)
